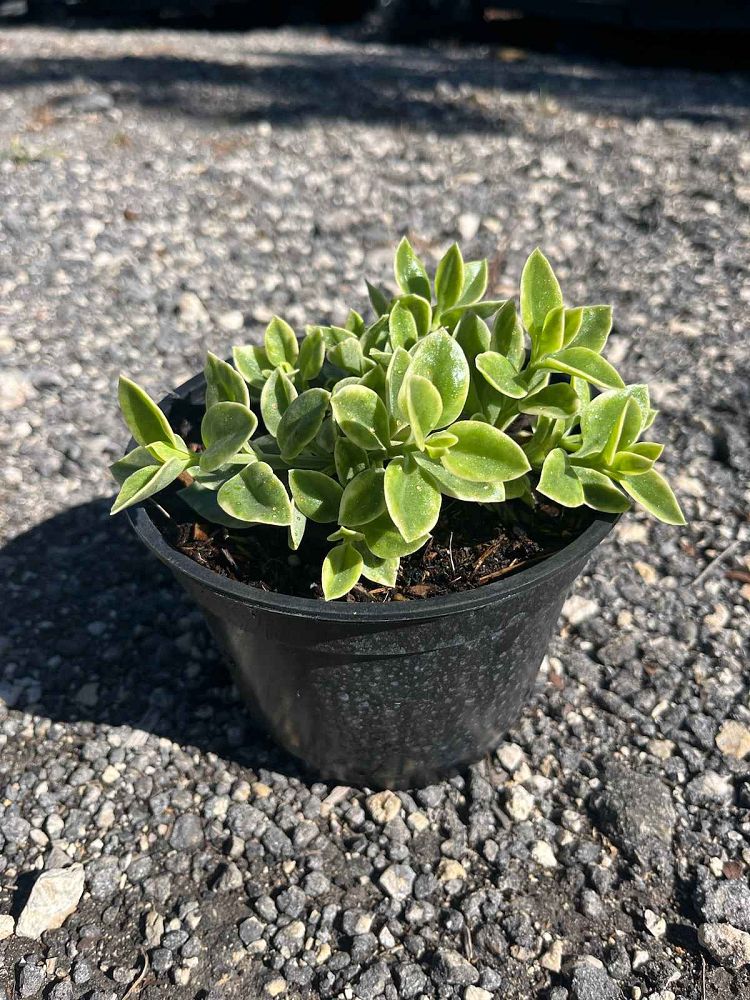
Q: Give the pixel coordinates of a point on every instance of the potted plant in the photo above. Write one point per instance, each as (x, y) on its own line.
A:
(381, 520)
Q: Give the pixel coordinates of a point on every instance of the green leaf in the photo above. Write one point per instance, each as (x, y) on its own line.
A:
(385, 540)
(458, 488)
(223, 383)
(312, 354)
(649, 449)
(225, 428)
(334, 335)
(558, 400)
(439, 359)
(280, 343)
(596, 323)
(508, 336)
(296, 529)
(551, 337)
(540, 292)
(410, 272)
(559, 481)
(277, 395)
(375, 337)
(423, 406)
(485, 310)
(203, 501)
(347, 355)
(316, 495)
(256, 495)
(144, 482)
(378, 299)
(630, 463)
(438, 443)
(145, 420)
(421, 311)
(501, 375)
(636, 414)
(394, 379)
(473, 335)
(483, 454)
(600, 493)
(345, 535)
(138, 458)
(601, 425)
(362, 417)
(363, 499)
(302, 421)
(355, 323)
(585, 364)
(382, 571)
(402, 327)
(165, 452)
(412, 501)
(342, 567)
(572, 324)
(449, 279)
(475, 282)
(349, 459)
(253, 365)
(652, 491)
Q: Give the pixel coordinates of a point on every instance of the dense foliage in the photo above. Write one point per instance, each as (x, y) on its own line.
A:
(368, 426)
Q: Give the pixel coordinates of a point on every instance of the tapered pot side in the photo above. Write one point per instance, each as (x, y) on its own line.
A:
(384, 695)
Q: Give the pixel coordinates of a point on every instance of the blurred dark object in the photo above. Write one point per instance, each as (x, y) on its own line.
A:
(205, 13)
(413, 19)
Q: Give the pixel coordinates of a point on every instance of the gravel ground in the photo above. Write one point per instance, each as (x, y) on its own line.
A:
(159, 191)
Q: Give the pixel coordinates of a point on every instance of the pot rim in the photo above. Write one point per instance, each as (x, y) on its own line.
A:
(334, 611)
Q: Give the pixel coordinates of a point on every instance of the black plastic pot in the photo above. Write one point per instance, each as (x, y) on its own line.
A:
(385, 695)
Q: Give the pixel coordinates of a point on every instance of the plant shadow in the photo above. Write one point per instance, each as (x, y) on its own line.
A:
(99, 634)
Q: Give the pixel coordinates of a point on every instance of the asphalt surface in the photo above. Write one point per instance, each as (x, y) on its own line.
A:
(603, 852)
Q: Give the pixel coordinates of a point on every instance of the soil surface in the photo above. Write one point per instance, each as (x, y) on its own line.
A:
(469, 547)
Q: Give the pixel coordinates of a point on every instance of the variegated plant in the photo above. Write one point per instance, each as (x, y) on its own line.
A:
(366, 427)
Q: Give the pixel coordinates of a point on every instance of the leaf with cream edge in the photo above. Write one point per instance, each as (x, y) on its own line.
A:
(559, 481)
(652, 491)
(540, 292)
(280, 343)
(410, 272)
(362, 416)
(449, 279)
(483, 454)
(147, 481)
(256, 495)
(342, 568)
(225, 428)
(315, 495)
(363, 499)
(223, 383)
(440, 360)
(145, 420)
(423, 407)
(412, 501)
(302, 421)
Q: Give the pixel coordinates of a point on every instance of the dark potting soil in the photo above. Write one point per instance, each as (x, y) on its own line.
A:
(471, 545)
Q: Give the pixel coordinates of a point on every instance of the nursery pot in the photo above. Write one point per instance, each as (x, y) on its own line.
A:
(390, 695)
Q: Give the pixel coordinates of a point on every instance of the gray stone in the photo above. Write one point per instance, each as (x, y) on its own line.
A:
(410, 979)
(726, 902)
(592, 983)
(727, 945)
(452, 968)
(187, 833)
(397, 881)
(31, 979)
(635, 810)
